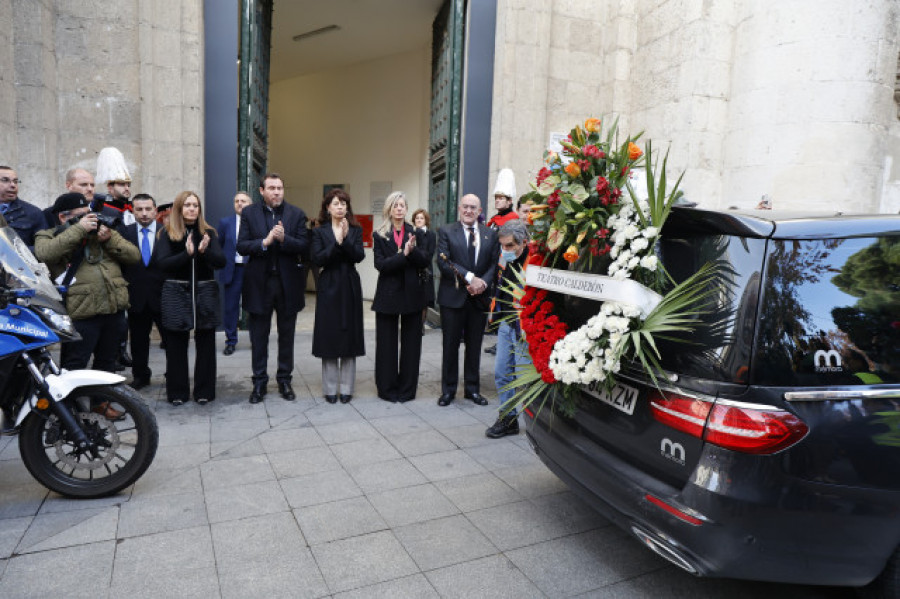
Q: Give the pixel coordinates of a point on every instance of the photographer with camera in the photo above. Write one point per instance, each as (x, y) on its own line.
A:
(87, 257)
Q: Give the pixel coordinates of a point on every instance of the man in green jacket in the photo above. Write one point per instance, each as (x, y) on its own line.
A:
(98, 293)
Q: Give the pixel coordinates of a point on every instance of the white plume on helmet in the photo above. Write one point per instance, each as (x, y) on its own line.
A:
(111, 167)
(506, 183)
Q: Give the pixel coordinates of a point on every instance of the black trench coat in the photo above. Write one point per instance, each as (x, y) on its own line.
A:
(338, 330)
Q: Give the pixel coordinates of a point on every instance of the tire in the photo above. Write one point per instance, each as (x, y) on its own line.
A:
(127, 445)
(887, 585)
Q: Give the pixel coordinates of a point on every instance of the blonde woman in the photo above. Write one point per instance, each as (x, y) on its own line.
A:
(399, 300)
(188, 250)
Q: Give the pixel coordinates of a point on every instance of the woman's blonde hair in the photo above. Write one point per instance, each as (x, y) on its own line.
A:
(387, 222)
(175, 227)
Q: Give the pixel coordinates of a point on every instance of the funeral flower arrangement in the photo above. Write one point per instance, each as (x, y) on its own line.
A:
(591, 216)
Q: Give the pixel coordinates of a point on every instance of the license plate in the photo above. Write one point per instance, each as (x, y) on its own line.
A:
(621, 397)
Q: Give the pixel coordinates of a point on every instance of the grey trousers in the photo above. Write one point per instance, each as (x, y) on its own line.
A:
(338, 376)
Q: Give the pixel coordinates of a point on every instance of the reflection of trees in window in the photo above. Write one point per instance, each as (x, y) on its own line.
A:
(873, 324)
(786, 325)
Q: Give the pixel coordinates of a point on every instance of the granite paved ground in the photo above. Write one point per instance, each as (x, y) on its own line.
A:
(307, 499)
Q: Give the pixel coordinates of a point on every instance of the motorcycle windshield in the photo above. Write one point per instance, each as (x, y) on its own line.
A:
(20, 269)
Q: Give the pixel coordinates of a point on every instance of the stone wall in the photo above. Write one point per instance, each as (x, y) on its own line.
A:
(795, 101)
(124, 73)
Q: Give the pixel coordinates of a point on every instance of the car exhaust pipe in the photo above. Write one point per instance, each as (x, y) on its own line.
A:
(663, 548)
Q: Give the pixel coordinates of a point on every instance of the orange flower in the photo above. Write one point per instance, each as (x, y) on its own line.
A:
(572, 169)
(634, 152)
(592, 125)
(571, 254)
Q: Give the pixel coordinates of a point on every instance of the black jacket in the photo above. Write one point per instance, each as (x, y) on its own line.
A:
(400, 290)
(338, 330)
(256, 222)
(452, 243)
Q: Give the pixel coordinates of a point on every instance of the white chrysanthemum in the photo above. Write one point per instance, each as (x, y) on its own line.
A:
(649, 262)
(651, 232)
(639, 244)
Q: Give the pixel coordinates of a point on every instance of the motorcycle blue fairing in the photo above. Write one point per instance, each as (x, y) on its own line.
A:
(22, 330)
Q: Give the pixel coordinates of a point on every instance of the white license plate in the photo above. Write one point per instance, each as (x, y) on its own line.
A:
(621, 397)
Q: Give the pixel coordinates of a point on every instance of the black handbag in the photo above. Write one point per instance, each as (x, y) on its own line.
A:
(209, 309)
(176, 305)
(183, 310)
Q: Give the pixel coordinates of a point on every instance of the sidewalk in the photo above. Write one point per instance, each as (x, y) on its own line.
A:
(308, 499)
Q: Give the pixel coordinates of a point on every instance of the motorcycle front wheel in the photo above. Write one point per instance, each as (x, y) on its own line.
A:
(115, 419)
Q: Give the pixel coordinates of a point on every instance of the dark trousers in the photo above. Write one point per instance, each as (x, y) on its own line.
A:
(177, 383)
(139, 326)
(464, 324)
(395, 383)
(260, 325)
(99, 336)
(231, 305)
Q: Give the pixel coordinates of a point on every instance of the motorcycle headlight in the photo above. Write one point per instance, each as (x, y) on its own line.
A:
(60, 322)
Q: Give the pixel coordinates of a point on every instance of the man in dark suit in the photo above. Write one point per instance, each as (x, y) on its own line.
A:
(273, 237)
(24, 218)
(145, 281)
(232, 276)
(473, 251)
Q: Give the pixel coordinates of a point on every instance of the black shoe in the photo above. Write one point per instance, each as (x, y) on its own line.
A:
(139, 383)
(445, 400)
(389, 398)
(331, 398)
(258, 393)
(120, 367)
(505, 425)
(284, 388)
(345, 398)
(229, 349)
(491, 350)
(477, 398)
(124, 359)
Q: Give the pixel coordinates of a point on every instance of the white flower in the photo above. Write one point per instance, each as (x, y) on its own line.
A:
(635, 260)
(639, 244)
(649, 262)
(651, 232)
(631, 231)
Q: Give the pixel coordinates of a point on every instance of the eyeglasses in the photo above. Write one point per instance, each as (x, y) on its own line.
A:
(8, 180)
(465, 208)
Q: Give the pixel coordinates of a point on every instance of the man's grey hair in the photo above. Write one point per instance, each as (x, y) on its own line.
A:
(515, 229)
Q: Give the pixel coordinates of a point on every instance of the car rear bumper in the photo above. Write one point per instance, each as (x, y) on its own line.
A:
(764, 527)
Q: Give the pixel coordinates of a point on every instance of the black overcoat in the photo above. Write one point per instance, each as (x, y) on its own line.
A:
(338, 330)
(256, 221)
(400, 290)
(428, 244)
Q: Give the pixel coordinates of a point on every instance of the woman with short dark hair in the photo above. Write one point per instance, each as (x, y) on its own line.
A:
(338, 330)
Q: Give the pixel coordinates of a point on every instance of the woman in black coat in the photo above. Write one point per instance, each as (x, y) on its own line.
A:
(338, 331)
(399, 300)
(427, 243)
(189, 250)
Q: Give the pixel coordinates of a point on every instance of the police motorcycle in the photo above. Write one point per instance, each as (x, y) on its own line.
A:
(82, 433)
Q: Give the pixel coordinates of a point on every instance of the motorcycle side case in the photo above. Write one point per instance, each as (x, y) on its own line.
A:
(62, 385)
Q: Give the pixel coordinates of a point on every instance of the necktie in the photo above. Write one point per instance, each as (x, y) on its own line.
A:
(472, 247)
(145, 247)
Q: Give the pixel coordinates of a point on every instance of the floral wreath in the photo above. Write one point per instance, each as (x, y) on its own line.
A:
(588, 217)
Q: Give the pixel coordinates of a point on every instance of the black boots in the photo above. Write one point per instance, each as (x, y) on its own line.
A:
(505, 425)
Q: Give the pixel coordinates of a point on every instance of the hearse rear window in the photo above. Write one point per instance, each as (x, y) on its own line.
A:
(830, 313)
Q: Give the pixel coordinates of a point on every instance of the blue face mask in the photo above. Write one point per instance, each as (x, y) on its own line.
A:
(508, 255)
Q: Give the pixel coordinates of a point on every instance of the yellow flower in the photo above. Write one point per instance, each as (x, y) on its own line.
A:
(571, 254)
(634, 152)
(592, 125)
(572, 169)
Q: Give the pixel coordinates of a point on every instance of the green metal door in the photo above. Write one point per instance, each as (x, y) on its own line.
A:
(253, 105)
(446, 111)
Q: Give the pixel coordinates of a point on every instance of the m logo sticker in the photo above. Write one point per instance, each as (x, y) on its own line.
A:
(827, 361)
(673, 451)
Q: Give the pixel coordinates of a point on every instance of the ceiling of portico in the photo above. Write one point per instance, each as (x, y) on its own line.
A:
(369, 29)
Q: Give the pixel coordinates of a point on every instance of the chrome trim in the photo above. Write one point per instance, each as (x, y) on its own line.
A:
(837, 395)
(747, 406)
(661, 548)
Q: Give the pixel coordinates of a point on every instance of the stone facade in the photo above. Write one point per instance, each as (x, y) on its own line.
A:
(123, 73)
(795, 101)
